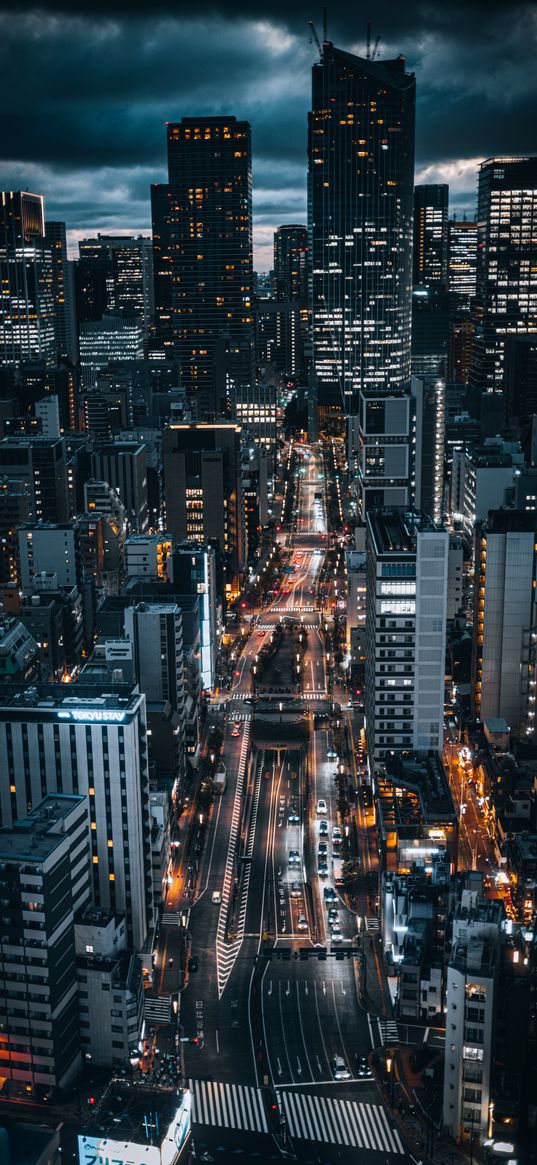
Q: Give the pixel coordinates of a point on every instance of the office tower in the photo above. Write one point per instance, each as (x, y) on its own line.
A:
(78, 740)
(429, 425)
(472, 981)
(361, 189)
(44, 880)
(202, 249)
(407, 567)
(39, 463)
(117, 269)
(112, 337)
(506, 288)
(123, 464)
(503, 656)
(146, 556)
(192, 569)
(430, 331)
(63, 290)
(291, 291)
(482, 478)
(430, 258)
(520, 380)
(462, 261)
(51, 547)
(156, 630)
(14, 509)
(202, 468)
(460, 349)
(27, 301)
(455, 591)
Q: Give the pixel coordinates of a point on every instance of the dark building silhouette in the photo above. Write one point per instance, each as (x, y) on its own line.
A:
(361, 190)
(63, 290)
(521, 379)
(291, 287)
(430, 258)
(202, 254)
(506, 290)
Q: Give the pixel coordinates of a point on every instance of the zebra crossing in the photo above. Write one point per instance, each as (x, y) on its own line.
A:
(388, 1030)
(170, 918)
(372, 924)
(245, 716)
(226, 952)
(340, 1122)
(270, 626)
(234, 1106)
(157, 1009)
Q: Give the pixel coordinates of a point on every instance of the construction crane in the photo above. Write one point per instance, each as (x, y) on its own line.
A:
(376, 49)
(313, 31)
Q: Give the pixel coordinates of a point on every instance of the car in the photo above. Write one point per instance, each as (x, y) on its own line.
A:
(302, 922)
(322, 869)
(363, 1068)
(234, 733)
(321, 806)
(323, 847)
(293, 817)
(296, 890)
(336, 835)
(236, 723)
(261, 634)
(332, 754)
(333, 916)
(329, 894)
(193, 963)
(216, 897)
(323, 829)
(294, 857)
(336, 935)
(339, 1069)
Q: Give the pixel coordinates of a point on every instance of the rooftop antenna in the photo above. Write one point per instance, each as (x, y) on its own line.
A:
(325, 26)
(368, 41)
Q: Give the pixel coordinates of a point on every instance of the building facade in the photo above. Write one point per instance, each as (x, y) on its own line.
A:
(26, 276)
(430, 256)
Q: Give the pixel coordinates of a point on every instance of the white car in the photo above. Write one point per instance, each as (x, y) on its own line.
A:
(339, 1069)
(216, 897)
(302, 923)
(336, 935)
(322, 808)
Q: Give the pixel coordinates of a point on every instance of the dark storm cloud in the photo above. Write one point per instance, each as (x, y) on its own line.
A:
(87, 87)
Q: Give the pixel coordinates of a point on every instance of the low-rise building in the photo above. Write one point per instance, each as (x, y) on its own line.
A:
(416, 818)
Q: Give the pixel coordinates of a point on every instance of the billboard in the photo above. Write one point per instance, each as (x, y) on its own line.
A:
(101, 1149)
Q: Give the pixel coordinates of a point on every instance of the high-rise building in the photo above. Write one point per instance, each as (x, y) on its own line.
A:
(291, 290)
(192, 569)
(80, 741)
(520, 379)
(462, 260)
(429, 398)
(361, 188)
(471, 1004)
(63, 290)
(40, 463)
(123, 464)
(504, 657)
(125, 263)
(202, 248)
(112, 337)
(202, 464)
(26, 278)
(156, 630)
(44, 880)
(431, 234)
(406, 596)
(506, 288)
(51, 547)
(14, 509)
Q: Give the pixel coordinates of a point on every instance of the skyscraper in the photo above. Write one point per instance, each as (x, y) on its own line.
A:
(27, 302)
(430, 234)
(462, 260)
(506, 291)
(360, 195)
(126, 262)
(291, 279)
(63, 290)
(202, 248)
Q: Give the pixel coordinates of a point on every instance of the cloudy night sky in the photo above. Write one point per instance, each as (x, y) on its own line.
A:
(87, 88)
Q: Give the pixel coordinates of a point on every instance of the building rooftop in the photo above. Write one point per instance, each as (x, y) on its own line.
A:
(394, 532)
(137, 1112)
(36, 836)
(413, 789)
(56, 702)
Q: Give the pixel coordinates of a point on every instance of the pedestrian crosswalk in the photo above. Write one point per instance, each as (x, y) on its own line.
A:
(389, 1031)
(170, 918)
(157, 1009)
(232, 1106)
(372, 924)
(340, 1122)
(246, 716)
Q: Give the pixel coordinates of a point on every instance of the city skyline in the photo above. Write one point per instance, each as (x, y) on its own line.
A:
(105, 82)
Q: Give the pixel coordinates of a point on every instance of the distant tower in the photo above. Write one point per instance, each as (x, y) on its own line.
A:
(430, 235)
(26, 279)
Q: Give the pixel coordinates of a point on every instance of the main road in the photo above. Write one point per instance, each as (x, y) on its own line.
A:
(277, 1001)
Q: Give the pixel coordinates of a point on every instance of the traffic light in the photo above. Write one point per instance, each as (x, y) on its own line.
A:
(91, 1101)
(194, 1040)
